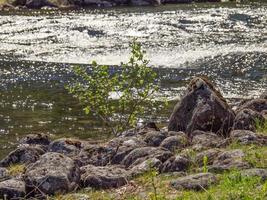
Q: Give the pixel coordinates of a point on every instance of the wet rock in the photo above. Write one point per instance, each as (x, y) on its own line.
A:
(69, 147)
(154, 138)
(145, 166)
(144, 153)
(257, 105)
(12, 189)
(262, 173)
(248, 137)
(175, 164)
(194, 182)
(3, 173)
(202, 108)
(17, 2)
(233, 159)
(173, 143)
(204, 140)
(52, 173)
(211, 154)
(246, 120)
(22, 155)
(36, 139)
(103, 177)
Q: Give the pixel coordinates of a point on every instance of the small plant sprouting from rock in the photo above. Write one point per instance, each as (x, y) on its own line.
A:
(205, 164)
(16, 169)
(133, 84)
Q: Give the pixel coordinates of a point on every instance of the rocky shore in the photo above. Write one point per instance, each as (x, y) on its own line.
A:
(69, 4)
(202, 122)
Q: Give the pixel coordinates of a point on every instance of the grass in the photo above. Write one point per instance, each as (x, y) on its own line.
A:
(3, 2)
(16, 169)
(261, 127)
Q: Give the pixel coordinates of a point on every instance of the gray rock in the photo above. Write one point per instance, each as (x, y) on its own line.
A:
(96, 155)
(36, 139)
(175, 164)
(103, 177)
(246, 120)
(12, 189)
(123, 146)
(22, 155)
(264, 95)
(145, 2)
(3, 174)
(154, 138)
(205, 140)
(248, 137)
(144, 153)
(37, 4)
(202, 108)
(145, 166)
(211, 154)
(151, 126)
(69, 147)
(173, 143)
(194, 182)
(262, 173)
(52, 173)
(233, 159)
(257, 105)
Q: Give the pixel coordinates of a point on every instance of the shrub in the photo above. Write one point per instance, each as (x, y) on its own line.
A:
(133, 83)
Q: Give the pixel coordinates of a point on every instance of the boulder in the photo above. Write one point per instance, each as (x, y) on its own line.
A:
(145, 166)
(22, 155)
(154, 138)
(96, 155)
(246, 120)
(53, 173)
(151, 126)
(69, 147)
(204, 140)
(36, 139)
(103, 177)
(175, 164)
(12, 189)
(173, 143)
(37, 4)
(202, 108)
(145, 2)
(263, 95)
(3, 174)
(257, 105)
(211, 154)
(176, 1)
(227, 160)
(199, 181)
(262, 173)
(123, 146)
(144, 153)
(248, 137)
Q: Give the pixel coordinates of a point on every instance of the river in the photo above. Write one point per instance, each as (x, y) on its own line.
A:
(224, 41)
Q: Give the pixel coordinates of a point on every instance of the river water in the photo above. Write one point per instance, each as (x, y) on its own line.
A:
(226, 42)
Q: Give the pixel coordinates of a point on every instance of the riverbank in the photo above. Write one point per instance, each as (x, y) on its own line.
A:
(208, 146)
(66, 4)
